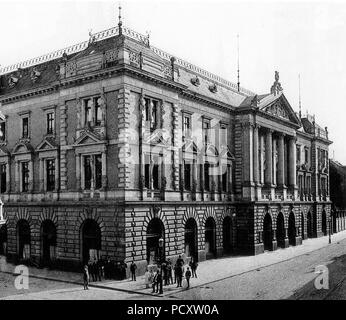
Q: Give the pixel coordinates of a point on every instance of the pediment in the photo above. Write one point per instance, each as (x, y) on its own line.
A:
(4, 151)
(22, 147)
(46, 144)
(87, 138)
(279, 107)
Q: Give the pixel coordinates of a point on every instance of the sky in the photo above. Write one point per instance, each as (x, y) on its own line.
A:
(306, 38)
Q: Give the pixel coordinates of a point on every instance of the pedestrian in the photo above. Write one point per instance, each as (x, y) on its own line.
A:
(179, 275)
(164, 272)
(147, 278)
(180, 261)
(86, 277)
(193, 266)
(97, 270)
(169, 272)
(151, 277)
(123, 267)
(100, 268)
(133, 268)
(155, 281)
(175, 273)
(91, 270)
(188, 276)
(159, 282)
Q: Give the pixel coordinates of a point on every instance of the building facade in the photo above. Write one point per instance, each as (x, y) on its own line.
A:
(114, 148)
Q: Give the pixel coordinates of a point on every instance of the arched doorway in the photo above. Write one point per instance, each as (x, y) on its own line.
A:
(309, 224)
(191, 240)
(155, 231)
(292, 229)
(280, 230)
(324, 223)
(23, 239)
(267, 232)
(210, 238)
(227, 234)
(48, 241)
(91, 240)
(302, 225)
(3, 239)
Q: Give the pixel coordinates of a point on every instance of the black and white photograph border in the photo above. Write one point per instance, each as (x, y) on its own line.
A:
(130, 172)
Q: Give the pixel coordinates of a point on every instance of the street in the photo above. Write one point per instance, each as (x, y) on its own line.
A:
(283, 274)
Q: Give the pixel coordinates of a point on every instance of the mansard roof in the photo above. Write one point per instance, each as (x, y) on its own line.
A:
(22, 76)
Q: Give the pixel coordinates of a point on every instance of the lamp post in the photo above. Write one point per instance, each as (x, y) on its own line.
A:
(330, 228)
(160, 261)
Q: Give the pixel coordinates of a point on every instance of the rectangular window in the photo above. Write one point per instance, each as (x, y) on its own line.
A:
(206, 176)
(98, 112)
(87, 172)
(50, 123)
(156, 184)
(187, 175)
(206, 127)
(50, 174)
(151, 113)
(147, 172)
(87, 111)
(225, 173)
(187, 125)
(2, 131)
(298, 154)
(98, 171)
(3, 178)
(223, 135)
(306, 155)
(25, 176)
(25, 127)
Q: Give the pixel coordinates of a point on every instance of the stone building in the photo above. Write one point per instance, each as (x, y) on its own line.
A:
(114, 148)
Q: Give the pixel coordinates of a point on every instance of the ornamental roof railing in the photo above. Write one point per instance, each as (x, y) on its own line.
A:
(134, 35)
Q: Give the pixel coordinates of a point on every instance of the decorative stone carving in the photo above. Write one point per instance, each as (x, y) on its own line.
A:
(213, 88)
(79, 113)
(276, 87)
(135, 58)
(277, 110)
(71, 68)
(167, 71)
(195, 81)
(34, 75)
(12, 81)
(102, 103)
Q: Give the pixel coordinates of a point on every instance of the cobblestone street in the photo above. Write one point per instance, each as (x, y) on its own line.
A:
(282, 274)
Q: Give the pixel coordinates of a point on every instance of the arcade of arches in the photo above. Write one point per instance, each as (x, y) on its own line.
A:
(199, 236)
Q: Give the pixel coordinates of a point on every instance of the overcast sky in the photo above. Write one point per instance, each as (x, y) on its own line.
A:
(292, 37)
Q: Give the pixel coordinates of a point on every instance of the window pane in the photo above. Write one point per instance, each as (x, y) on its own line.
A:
(3, 177)
(187, 175)
(25, 127)
(98, 172)
(2, 131)
(25, 176)
(87, 173)
(98, 115)
(50, 175)
(50, 123)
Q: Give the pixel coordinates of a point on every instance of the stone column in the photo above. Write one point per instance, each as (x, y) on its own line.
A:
(104, 170)
(256, 175)
(78, 171)
(281, 161)
(57, 170)
(17, 176)
(292, 162)
(274, 161)
(262, 158)
(268, 153)
(31, 175)
(8, 176)
(42, 184)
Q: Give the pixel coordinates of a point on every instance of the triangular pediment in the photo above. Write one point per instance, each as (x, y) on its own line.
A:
(46, 144)
(87, 138)
(279, 107)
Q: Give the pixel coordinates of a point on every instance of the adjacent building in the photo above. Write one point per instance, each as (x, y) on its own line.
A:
(115, 148)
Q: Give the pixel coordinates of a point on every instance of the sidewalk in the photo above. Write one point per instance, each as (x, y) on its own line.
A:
(208, 271)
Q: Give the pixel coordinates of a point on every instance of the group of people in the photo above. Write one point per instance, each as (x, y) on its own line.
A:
(98, 269)
(164, 274)
(107, 269)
